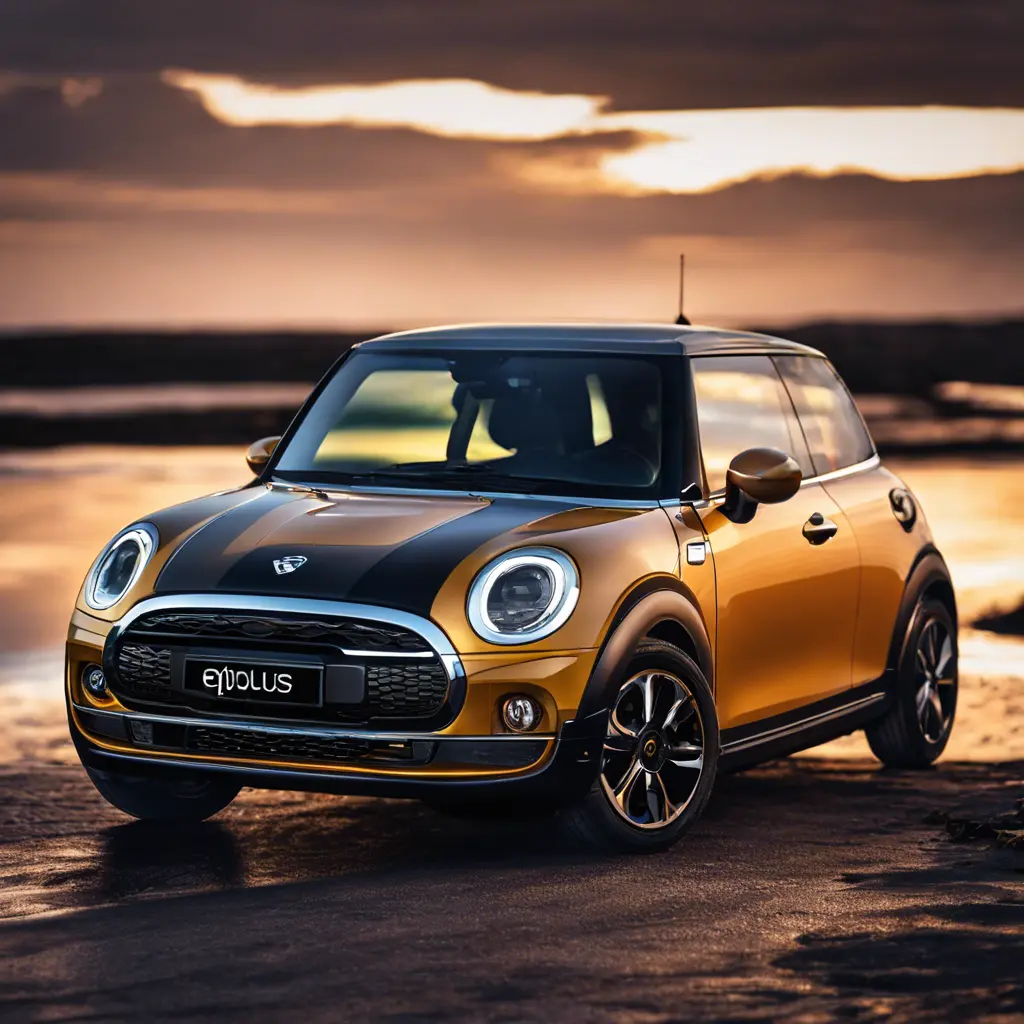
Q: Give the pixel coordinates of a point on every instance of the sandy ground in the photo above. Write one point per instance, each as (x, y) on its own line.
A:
(810, 891)
(813, 888)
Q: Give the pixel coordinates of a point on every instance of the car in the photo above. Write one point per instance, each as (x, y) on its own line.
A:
(563, 571)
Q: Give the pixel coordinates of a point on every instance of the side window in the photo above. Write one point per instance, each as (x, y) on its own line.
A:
(742, 404)
(835, 432)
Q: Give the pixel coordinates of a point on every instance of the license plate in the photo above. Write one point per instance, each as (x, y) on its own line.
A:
(254, 681)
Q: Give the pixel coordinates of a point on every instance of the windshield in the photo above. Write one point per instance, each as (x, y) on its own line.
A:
(558, 423)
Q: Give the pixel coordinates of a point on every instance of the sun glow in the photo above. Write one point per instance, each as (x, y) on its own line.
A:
(678, 151)
(454, 108)
(707, 149)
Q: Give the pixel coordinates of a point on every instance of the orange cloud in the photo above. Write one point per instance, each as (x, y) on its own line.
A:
(682, 151)
(450, 107)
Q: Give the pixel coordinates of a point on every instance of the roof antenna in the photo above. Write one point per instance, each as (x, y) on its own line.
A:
(681, 319)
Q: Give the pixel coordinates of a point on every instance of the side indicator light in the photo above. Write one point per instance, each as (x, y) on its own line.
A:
(696, 552)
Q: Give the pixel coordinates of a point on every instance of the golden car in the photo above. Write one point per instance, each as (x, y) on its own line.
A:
(559, 570)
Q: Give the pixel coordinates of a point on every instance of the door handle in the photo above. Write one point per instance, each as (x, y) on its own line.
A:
(818, 529)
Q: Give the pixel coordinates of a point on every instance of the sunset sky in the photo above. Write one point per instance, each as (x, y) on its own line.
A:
(313, 163)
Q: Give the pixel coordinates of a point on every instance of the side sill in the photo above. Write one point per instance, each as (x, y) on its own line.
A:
(807, 727)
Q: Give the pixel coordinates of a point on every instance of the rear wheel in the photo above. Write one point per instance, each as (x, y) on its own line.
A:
(659, 759)
(190, 798)
(915, 730)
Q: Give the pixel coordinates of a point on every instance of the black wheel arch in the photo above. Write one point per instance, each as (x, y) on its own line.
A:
(661, 609)
(928, 577)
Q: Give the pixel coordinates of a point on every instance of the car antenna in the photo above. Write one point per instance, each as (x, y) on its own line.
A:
(681, 319)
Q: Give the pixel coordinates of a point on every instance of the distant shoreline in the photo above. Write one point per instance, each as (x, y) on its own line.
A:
(910, 364)
(890, 358)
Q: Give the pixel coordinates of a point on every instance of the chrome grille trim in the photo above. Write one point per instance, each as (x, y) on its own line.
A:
(387, 654)
(431, 633)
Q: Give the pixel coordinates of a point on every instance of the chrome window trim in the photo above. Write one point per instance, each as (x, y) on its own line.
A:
(717, 497)
(838, 474)
(300, 730)
(424, 628)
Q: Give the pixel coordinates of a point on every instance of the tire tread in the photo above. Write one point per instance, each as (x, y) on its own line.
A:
(894, 738)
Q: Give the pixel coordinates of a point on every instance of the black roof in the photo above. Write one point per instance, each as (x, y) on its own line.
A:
(624, 337)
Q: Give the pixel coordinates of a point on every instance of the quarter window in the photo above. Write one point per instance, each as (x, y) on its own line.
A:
(834, 429)
(742, 404)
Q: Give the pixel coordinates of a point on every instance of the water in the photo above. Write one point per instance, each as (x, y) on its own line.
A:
(62, 505)
(149, 398)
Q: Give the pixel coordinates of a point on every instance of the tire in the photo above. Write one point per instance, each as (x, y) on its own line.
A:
(648, 722)
(190, 798)
(916, 728)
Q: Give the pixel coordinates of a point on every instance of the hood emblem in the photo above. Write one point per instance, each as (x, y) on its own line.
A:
(288, 564)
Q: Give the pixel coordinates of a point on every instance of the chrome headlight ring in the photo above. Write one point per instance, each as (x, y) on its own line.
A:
(114, 573)
(562, 578)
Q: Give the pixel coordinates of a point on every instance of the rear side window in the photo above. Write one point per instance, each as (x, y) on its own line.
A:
(835, 432)
(742, 404)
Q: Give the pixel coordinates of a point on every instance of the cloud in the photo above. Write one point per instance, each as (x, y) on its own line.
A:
(685, 150)
(451, 108)
(76, 91)
(658, 53)
(709, 149)
(138, 205)
(79, 193)
(73, 91)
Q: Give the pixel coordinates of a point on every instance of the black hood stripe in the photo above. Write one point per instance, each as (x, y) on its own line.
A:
(407, 576)
(200, 561)
(412, 574)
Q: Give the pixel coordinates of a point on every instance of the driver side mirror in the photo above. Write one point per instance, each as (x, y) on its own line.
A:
(259, 453)
(759, 476)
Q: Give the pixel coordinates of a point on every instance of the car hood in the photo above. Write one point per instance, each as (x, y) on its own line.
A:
(394, 550)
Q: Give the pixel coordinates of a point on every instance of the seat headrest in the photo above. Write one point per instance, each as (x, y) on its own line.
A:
(525, 422)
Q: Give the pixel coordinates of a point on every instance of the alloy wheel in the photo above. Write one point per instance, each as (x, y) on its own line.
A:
(935, 680)
(654, 750)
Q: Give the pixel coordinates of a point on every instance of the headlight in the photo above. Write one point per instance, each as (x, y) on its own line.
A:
(523, 595)
(119, 566)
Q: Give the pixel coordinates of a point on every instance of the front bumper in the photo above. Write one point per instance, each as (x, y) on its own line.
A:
(560, 767)
(463, 748)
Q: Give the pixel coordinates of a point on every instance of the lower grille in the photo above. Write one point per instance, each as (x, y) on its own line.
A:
(399, 689)
(145, 674)
(272, 746)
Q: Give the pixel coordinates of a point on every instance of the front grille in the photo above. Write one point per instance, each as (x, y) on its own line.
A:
(151, 651)
(348, 633)
(272, 746)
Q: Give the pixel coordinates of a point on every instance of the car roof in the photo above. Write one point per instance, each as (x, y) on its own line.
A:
(593, 337)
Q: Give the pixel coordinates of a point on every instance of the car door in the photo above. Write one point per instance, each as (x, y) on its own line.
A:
(787, 606)
(869, 495)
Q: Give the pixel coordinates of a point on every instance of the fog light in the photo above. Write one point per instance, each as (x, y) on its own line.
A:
(94, 680)
(521, 714)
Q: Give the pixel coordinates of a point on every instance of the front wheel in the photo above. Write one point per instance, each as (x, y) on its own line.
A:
(916, 728)
(189, 798)
(659, 759)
